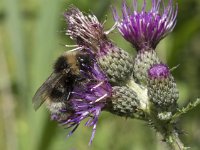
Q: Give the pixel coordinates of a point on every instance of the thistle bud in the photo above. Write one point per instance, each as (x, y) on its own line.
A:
(162, 88)
(116, 63)
(124, 101)
(143, 62)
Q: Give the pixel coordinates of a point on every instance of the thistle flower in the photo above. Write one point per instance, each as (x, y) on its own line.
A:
(87, 99)
(87, 31)
(162, 89)
(144, 29)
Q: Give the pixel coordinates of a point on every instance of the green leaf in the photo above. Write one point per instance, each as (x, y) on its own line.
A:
(185, 109)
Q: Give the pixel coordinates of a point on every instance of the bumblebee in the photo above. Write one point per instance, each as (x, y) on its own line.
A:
(56, 90)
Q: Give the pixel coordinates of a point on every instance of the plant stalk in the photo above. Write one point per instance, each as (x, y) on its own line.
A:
(170, 135)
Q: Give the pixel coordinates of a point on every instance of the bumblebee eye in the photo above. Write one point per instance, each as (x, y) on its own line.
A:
(61, 64)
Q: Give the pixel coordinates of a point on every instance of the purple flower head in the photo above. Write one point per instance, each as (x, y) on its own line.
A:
(159, 71)
(88, 98)
(144, 29)
(88, 32)
(85, 29)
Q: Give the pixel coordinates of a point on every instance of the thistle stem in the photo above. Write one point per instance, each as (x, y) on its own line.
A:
(166, 128)
(174, 142)
(169, 134)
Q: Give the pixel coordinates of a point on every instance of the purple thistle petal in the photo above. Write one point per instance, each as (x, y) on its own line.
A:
(72, 131)
(144, 29)
(85, 29)
(159, 71)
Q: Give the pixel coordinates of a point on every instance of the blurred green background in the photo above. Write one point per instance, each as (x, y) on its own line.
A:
(32, 37)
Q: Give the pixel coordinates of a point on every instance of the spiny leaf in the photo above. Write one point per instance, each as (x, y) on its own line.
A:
(185, 109)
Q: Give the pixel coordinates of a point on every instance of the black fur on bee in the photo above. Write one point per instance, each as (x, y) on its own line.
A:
(61, 91)
(84, 60)
(66, 75)
(61, 64)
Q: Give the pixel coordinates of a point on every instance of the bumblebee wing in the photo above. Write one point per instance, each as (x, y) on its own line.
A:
(43, 92)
